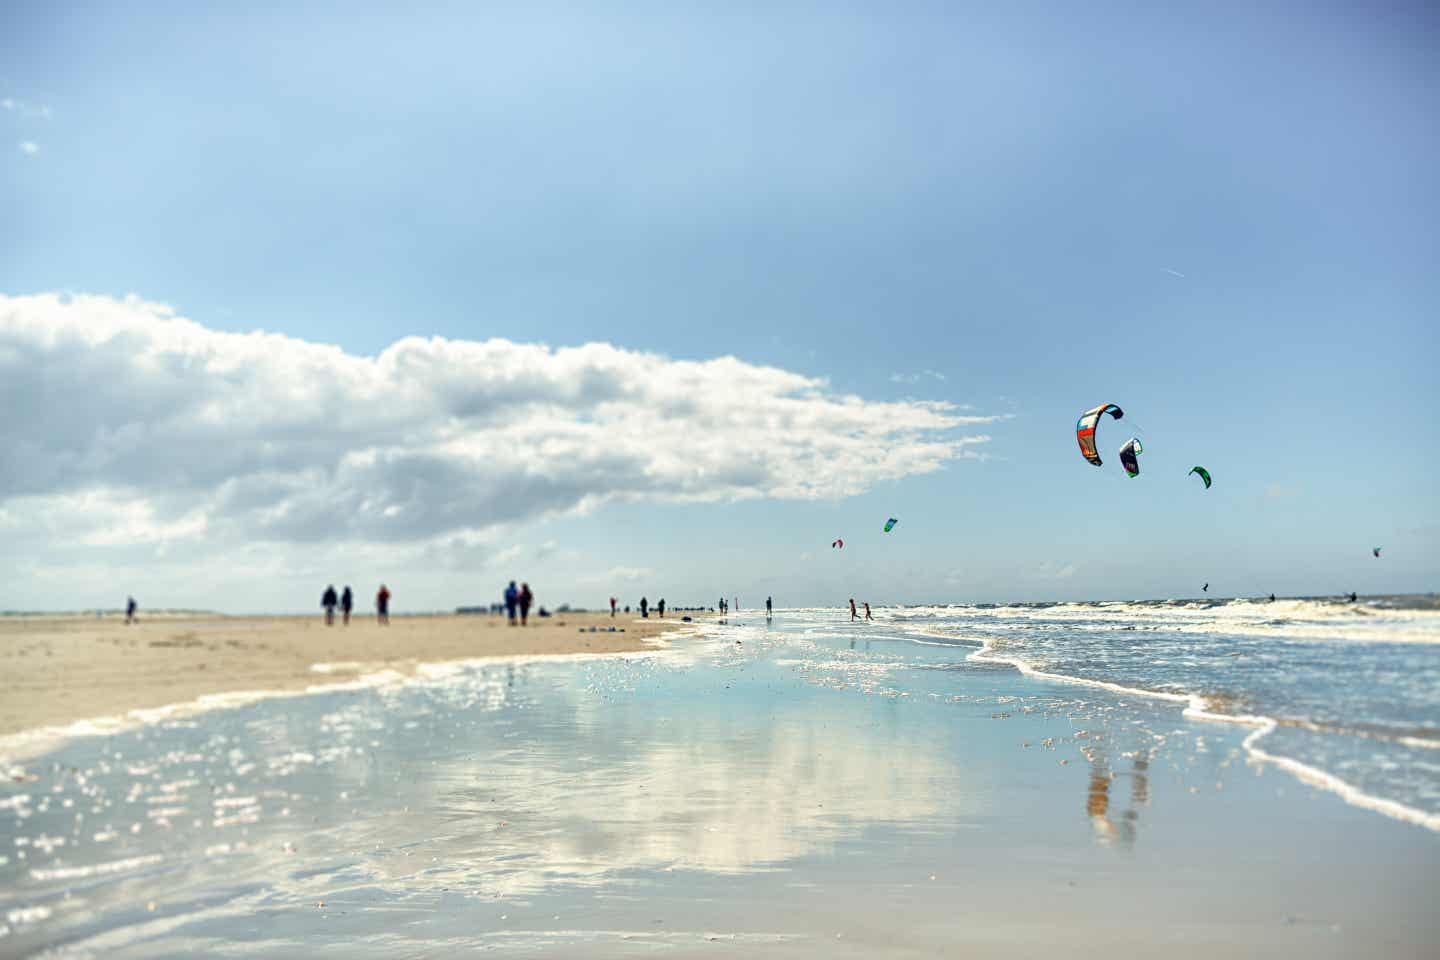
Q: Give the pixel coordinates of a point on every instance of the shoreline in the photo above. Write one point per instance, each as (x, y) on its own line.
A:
(74, 676)
(1197, 707)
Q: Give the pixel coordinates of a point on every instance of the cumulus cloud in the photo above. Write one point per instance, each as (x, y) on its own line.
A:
(139, 426)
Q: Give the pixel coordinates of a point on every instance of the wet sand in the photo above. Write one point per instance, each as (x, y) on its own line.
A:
(59, 670)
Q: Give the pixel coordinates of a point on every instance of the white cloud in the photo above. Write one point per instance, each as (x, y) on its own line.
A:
(1056, 570)
(916, 377)
(628, 574)
(29, 147)
(25, 108)
(141, 427)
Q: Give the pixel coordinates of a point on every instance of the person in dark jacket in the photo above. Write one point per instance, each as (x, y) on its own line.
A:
(328, 601)
(347, 603)
(526, 598)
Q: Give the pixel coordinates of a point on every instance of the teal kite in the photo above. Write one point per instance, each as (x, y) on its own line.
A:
(890, 524)
(1129, 456)
(1204, 475)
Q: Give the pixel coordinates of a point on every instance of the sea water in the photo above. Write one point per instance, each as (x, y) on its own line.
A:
(1345, 694)
(805, 783)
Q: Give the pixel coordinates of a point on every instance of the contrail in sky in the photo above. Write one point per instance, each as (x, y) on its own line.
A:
(1173, 273)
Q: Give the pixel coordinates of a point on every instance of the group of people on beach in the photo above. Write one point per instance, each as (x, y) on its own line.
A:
(346, 602)
(854, 615)
(518, 599)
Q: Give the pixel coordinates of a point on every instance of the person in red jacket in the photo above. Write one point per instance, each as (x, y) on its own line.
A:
(382, 606)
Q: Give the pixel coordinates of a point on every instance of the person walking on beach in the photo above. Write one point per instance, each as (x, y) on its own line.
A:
(867, 612)
(512, 600)
(644, 608)
(661, 607)
(347, 603)
(768, 601)
(130, 607)
(853, 615)
(612, 608)
(382, 606)
(328, 601)
(526, 598)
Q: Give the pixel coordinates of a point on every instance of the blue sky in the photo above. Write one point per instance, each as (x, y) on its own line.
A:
(1223, 219)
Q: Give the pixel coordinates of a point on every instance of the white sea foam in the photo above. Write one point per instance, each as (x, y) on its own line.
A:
(97, 869)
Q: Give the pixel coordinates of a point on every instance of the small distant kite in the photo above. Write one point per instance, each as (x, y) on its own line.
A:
(890, 524)
(1129, 456)
(838, 545)
(1377, 551)
(1204, 475)
(1206, 588)
(1085, 429)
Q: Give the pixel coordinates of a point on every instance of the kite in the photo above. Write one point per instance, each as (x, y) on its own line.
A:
(838, 544)
(890, 524)
(1085, 429)
(1129, 454)
(1377, 551)
(1204, 475)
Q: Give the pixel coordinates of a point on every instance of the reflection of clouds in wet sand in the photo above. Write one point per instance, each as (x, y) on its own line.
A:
(708, 794)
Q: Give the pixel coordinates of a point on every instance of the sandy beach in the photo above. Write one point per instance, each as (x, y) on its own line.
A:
(68, 668)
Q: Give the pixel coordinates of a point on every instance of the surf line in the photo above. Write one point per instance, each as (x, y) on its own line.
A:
(1197, 709)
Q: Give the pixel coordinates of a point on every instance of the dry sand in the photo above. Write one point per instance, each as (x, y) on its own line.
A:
(58, 670)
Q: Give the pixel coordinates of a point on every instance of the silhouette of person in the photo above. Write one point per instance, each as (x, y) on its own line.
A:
(612, 608)
(660, 607)
(853, 615)
(867, 612)
(347, 603)
(382, 606)
(526, 598)
(644, 608)
(512, 600)
(768, 608)
(130, 607)
(328, 601)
